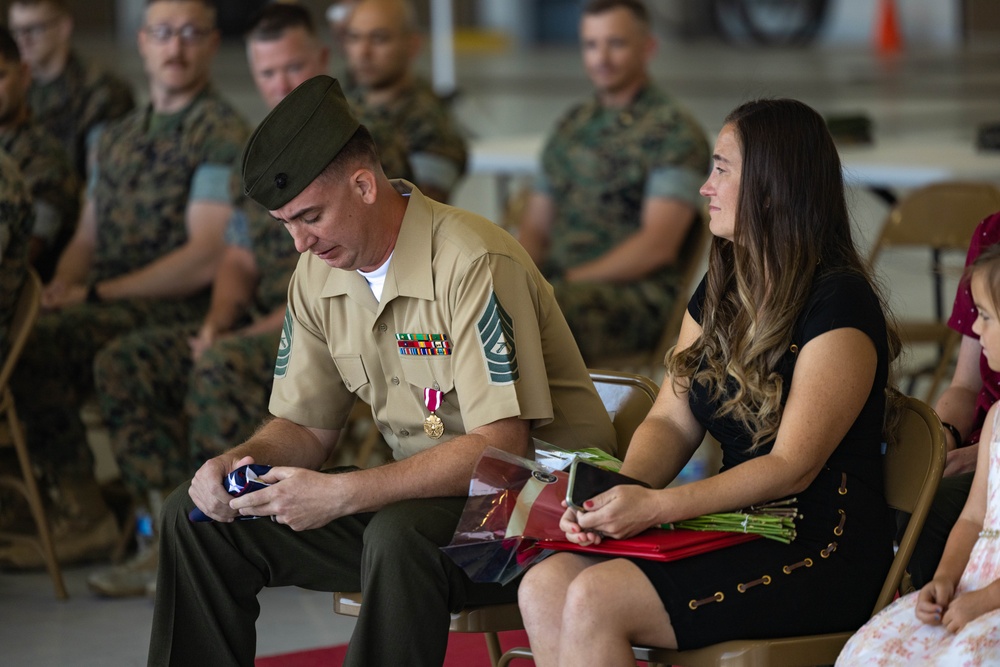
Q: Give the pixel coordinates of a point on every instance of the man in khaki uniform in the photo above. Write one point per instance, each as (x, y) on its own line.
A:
(435, 317)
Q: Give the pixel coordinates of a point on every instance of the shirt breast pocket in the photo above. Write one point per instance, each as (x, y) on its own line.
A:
(352, 371)
(432, 371)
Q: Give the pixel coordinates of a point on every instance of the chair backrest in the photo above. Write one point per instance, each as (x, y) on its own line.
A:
(913, 467)
(21, 324)
(627, 397)
(694, 251)
(939, 216)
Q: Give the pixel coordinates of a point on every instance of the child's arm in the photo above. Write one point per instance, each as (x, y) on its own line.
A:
(936, 599)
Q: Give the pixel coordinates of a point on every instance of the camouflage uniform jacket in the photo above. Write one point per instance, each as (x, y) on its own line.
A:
(423, 124)
(252, 228)
(15, 229)
(76, 101)
(602, 163)
(144, 166)
(50, 177)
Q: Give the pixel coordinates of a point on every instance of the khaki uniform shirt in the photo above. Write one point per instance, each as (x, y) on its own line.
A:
(463, 310)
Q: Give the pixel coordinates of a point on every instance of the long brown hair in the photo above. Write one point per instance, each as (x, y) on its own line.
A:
(792, 225)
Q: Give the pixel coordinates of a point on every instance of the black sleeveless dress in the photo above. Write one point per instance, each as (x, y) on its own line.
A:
(827, 580)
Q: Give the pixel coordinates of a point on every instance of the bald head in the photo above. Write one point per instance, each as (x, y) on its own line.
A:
(381, 42)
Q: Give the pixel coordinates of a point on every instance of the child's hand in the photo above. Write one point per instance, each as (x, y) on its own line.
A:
(966, 608)
(933, 600)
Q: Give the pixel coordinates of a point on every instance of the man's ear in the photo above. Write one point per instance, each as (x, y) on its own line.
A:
(365, 184)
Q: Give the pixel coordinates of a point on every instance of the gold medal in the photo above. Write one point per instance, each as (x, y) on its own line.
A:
(433, 426)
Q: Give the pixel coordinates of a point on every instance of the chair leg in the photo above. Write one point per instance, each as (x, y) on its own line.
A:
(34, 499)
(514, 654)
(493, 647)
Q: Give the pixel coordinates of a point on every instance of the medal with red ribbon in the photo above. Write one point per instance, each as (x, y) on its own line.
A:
(433, 426)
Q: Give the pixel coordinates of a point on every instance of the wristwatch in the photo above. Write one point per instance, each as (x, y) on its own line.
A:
(92, 295)
(954, 433)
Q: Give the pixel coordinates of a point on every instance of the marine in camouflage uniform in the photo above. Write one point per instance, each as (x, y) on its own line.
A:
(422, 123)
(80, 99)
(599, 167)
(15, 230)
(54, 187)
(167, 413)
(149, 167)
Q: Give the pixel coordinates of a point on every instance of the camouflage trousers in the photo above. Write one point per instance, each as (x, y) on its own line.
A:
(167, 414)
(614, 319)
(55, 374)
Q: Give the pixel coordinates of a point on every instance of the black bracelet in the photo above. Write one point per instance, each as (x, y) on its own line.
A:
(954, 433)
(92, 295)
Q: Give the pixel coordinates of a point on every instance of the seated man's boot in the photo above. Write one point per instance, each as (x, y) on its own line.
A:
(83, 529)
(137, 576)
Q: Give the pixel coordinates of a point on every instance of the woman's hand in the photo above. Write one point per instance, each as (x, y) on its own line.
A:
(570, 525)
(621, 512)
(933, 600)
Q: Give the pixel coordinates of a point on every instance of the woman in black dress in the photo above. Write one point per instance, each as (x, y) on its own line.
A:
(783, 357)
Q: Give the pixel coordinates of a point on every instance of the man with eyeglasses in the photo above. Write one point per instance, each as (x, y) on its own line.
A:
(54, 186)
(381, 42)
(68, 96)
(146, 249)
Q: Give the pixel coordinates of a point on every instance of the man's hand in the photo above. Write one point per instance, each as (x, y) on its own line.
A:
(300, 498)
(209, 493)
(200, 342)
(58, 294)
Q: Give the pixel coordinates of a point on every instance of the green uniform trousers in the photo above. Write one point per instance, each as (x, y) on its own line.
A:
(55, 373)
(611, 319)
(167, 414)
(209, 575)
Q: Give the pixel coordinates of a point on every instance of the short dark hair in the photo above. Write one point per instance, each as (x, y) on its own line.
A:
(209, 4)
(637, 7)
(359, 151)
(271, 22)
(8, 47)
(61, 6)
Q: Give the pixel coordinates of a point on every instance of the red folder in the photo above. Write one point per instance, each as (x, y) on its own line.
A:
(657, 544)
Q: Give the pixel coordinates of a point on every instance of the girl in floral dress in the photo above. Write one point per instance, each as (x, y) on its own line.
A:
(955, 619)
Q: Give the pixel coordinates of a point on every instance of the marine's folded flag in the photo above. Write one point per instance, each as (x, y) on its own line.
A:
(242, 480)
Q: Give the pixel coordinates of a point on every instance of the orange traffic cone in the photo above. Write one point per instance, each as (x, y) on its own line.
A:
(887, 37)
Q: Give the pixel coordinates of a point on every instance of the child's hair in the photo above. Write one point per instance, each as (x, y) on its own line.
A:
(988, 265)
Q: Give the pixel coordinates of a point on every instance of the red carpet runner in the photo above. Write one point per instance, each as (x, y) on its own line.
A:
(464, 650)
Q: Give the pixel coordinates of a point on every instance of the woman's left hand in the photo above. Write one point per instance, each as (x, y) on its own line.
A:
(621, 512)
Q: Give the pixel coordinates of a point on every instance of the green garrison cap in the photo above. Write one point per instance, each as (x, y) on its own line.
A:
(296, 141)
